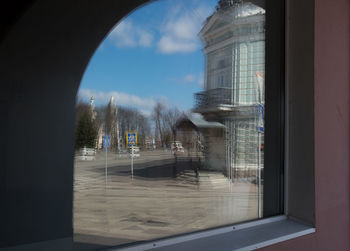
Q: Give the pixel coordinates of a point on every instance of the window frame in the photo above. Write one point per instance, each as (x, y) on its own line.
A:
(282, 153)
(274, 155)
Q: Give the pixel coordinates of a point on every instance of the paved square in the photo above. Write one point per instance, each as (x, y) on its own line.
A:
(161, 200)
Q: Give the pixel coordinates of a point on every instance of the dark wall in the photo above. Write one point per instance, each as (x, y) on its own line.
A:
(300, 110)
(44, 50)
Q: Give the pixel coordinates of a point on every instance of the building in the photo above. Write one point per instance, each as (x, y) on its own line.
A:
(234, 48)
(205, 139)
(109, 125)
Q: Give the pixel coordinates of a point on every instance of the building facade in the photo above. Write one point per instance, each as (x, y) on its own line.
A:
(234, 48)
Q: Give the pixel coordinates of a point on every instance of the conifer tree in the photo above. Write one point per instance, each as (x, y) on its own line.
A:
(86, 131)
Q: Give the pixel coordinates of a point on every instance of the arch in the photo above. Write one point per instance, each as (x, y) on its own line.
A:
(45, 49)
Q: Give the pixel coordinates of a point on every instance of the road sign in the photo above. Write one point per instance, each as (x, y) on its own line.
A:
(131, 141)
(260, 127)
(106, 141)
(131, 138)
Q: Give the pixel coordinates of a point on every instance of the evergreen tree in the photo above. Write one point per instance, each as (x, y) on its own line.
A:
(86, 131)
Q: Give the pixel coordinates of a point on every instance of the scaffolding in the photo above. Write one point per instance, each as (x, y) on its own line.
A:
(234, 47)
(244, 147)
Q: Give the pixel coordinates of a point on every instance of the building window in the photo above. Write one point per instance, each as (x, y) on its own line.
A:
(188, 173)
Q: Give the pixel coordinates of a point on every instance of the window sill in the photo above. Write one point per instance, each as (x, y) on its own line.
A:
(245, 236)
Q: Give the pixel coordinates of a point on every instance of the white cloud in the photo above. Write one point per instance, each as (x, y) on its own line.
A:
(201, 80)
(181, 29)
(145, 39)
(169, 45)
(190, 78)
(126, 34)
(144, 105)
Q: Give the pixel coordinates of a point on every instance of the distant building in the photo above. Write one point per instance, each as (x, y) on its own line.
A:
(234, 48)
(92, 108)
(110, 125)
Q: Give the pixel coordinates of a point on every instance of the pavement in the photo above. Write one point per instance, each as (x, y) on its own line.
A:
(163, 198)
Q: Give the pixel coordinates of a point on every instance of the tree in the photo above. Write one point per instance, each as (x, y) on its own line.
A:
(86, 130)
(111, 126)
(158, 119)
(132, 119)
(170, 117)
(86, 126)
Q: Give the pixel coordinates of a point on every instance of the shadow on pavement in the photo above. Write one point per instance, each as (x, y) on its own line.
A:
(158, 169)
(85, 242)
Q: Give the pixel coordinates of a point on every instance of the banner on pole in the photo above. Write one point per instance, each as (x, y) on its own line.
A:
(260, 79)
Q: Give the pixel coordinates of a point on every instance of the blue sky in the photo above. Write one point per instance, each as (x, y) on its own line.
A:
(152, 55)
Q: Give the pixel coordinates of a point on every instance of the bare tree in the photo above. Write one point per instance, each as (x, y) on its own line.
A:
(170, 118)
(108, 115)
(158, 119)
(165, 120)
(131, 119)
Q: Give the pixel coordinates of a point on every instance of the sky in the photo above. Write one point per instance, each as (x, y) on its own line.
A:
(152, 55)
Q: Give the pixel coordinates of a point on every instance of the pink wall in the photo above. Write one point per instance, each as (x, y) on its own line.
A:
(332, 132)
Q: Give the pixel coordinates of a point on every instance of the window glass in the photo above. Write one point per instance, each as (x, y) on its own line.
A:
(170, 123)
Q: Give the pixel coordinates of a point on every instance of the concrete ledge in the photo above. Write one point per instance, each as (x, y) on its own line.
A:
(246, 236)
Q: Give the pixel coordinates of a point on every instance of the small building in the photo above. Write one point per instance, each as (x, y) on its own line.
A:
(204, 139)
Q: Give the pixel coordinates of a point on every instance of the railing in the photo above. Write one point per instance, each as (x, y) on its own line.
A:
(86, 154)
(213, 98)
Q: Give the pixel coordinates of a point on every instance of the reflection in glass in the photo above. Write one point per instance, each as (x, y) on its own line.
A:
(186, 172)
(234, 47)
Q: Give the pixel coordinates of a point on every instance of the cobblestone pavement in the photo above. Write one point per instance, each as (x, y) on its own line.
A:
(158, 202)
